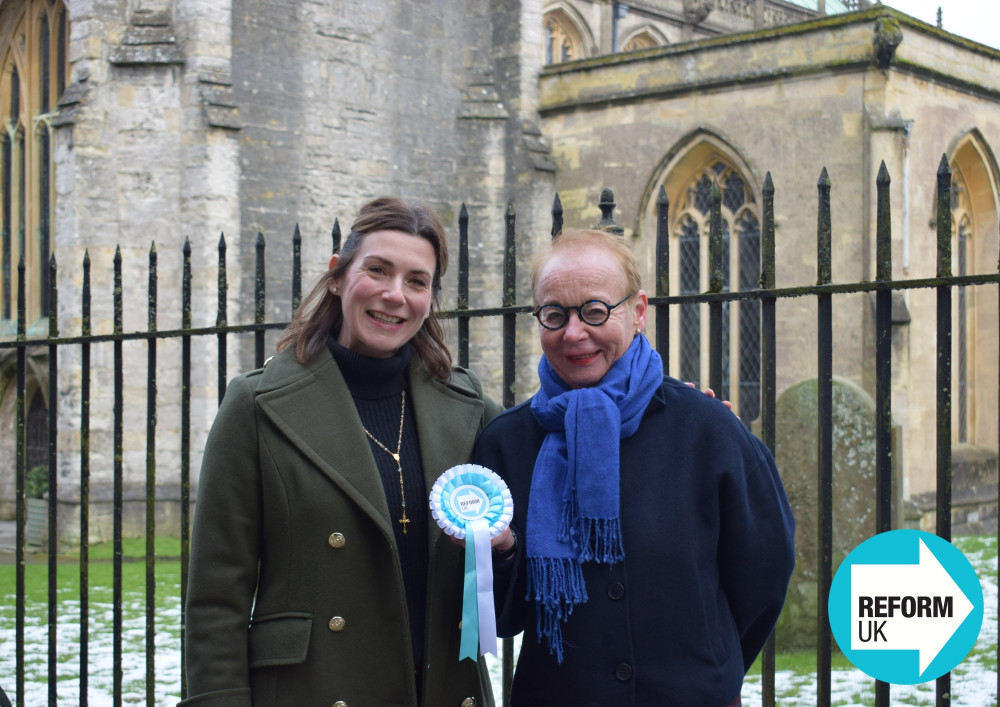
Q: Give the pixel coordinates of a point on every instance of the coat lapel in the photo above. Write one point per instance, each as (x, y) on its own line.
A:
(313, 408)
(447, 423)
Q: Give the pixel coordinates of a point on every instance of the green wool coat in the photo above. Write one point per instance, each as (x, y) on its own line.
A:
(295, 594)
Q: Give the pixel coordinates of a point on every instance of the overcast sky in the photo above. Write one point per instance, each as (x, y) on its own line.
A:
(978, 20)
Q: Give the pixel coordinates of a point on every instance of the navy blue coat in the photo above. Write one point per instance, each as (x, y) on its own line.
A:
(708, 539)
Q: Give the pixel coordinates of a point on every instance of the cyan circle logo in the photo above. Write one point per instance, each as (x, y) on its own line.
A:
(906, 606)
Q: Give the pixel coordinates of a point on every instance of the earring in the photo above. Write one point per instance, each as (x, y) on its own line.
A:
(334, 290)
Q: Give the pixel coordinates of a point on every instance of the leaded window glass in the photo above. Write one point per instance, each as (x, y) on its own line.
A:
(33, 70)
(739, 222)
(690, 257)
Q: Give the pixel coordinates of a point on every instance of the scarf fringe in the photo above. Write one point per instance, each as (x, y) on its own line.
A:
(570, 512)
(556, 585)
(600, 540)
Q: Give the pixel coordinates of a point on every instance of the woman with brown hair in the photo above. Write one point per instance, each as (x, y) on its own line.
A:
(316, 576)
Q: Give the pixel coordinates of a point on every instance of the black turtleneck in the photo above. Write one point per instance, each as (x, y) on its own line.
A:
(377, 385)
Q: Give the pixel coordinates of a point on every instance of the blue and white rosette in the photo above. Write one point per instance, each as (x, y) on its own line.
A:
(471, 501)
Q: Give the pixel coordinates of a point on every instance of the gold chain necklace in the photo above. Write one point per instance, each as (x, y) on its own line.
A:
(395, 455)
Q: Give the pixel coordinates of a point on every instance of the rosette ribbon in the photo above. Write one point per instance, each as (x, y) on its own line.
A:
(471, 502)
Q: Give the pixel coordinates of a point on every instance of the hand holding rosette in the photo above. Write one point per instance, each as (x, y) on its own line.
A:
(471, 502)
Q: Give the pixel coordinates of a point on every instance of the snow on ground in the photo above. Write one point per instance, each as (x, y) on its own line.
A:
(974, 681)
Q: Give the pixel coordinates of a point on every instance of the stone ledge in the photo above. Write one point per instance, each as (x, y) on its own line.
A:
(149, 39)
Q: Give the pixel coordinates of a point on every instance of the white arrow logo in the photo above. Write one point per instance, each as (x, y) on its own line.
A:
(906, 607)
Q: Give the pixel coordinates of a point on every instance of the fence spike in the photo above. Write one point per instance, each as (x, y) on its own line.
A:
(221, 317)
(52, 288)
(296, 268)
(151, 313)
(557, 216)
(944, 218)
(883, 226)
(824, 231)
(767, 272)
(607, 206)
(463, 285)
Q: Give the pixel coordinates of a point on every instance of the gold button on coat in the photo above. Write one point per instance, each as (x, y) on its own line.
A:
(469, 702)
(337, 623)
(336, 540)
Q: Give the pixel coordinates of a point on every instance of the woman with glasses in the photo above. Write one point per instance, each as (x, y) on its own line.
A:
(652, 541)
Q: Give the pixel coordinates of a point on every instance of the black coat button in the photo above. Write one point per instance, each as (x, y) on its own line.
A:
(616, 590)
(623, 672)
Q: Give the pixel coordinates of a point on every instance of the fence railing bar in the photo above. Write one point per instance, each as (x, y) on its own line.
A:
(463, 286)
(49, 283)
(509, 300)
(824, 431)
(151, 486)
(119, 384)
(85, 486)
(53, 530)
(662, 286)
(143, 335)
(335, 235)
(258, 298)
(509, 341)
(185, 451)
(716, 296)
(883, 376)
(19, 473)
(715, 285)
(769, 392)
(222, 318)
(296, 268)
(778, 293)
(943, 403)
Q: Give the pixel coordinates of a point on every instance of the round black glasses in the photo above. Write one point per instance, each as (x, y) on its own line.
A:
(593, 312)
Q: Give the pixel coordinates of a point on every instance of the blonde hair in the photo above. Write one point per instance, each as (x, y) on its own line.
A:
(576, 238)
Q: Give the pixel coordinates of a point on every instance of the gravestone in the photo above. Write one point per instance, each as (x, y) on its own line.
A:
(853, 491)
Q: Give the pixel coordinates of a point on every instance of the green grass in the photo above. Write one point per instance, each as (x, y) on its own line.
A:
(797, 670)
(100, 570)
(100, 620)
(973, 680)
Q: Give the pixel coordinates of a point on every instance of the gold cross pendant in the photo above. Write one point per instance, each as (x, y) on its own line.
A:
(404, 520)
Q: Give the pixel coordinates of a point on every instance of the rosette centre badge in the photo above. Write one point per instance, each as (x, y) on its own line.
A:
(472, 503)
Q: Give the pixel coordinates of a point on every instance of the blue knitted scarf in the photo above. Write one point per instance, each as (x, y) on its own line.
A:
(573, 511)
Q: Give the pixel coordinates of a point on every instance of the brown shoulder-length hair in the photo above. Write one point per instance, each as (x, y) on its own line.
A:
(320, 314)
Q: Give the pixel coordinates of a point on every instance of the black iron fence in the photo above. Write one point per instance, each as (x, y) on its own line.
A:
(716, 297)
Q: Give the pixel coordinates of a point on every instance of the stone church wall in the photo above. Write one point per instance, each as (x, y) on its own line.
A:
(791, 102)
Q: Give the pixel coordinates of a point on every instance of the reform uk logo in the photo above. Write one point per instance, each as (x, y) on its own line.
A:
(906, 606)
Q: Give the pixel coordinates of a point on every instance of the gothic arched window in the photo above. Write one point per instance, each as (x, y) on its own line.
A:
(33, 63)
(740, 266)
(643, 40)
(559, 44)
